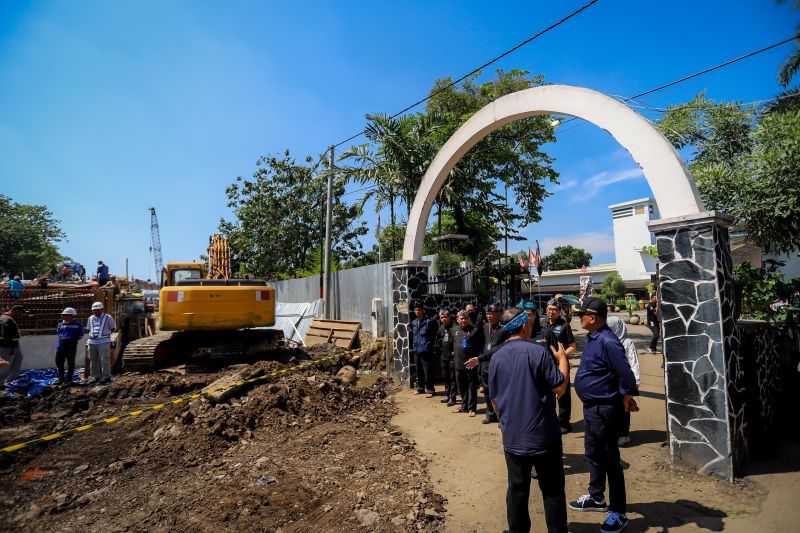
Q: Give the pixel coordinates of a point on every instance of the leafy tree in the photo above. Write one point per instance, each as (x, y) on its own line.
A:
(745, 164)
(28, 237)
(401, 149)
(792, 65)
(567, 257)
(280, 218)
(613, 287)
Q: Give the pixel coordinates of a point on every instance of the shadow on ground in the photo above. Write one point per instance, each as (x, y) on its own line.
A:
(664, 515)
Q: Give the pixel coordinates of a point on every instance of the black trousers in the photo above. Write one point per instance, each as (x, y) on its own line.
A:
(450, 388)
(424, 362)
(66, 353)
(565, 407)
(656, 329)
(484, 373)
(468, 388)
(550, 470)
(603, 428)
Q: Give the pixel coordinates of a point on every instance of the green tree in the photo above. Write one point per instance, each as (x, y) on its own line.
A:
(745, 164)
(567, 257)
(279, 219)
(613, 287)
(28, 237)
(401, 149)
(792, 65)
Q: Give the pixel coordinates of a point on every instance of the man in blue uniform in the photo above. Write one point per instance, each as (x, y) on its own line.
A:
(69, 332)
(423, 339)
(605, 384)
(102, 273)
(524, 380)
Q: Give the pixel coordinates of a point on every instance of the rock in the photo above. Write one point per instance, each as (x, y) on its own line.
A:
(119, 466)
(327, 508)
(635, 319)
(367, 517)
(262, 461)
(398, 520)
(81, 468)
(431, 514)
(347, 375)
(266, 480)
(360, 495)
(62, 500)
(396, 458)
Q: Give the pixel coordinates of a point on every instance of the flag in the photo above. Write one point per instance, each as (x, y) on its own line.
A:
(535, 258)
(522, 263)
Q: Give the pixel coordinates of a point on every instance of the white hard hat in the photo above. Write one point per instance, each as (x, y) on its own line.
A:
(69, 311)
(97, 305)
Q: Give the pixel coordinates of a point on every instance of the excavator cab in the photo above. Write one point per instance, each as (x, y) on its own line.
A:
(174, 273)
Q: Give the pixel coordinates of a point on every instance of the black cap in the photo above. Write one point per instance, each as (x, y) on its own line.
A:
(495, 308)
(592, 306)
(418, 305)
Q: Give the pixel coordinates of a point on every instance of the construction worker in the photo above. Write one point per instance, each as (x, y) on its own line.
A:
(102, 273)
(10, 354)
(100, 326)
(69, 332)
(15, 287)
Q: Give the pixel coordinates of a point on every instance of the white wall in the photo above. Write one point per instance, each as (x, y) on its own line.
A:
(630, 235)
(39, 351)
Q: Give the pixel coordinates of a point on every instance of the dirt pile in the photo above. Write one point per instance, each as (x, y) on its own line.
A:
(307, 452)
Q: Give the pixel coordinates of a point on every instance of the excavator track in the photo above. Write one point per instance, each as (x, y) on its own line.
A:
(146, 353)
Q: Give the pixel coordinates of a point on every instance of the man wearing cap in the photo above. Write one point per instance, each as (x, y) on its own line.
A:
(423, 337)
(100, 326)
(524, 380)
(102, 273)
(69, 332)
(493, 335)
(605, 384)
(10, 354)
(557, 330)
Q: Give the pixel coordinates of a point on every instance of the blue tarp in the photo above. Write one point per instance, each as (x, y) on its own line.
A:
(33, 381)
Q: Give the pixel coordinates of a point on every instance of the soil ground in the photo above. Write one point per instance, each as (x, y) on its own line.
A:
(468, 468)
(306, 452)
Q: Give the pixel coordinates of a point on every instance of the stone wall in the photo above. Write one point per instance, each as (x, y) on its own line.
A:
(703, 370)
(409, 284)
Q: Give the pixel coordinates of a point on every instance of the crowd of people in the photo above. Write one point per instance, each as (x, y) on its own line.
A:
(521, 363)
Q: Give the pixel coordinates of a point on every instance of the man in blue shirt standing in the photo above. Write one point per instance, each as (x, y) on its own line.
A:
(605, 384)
(69, 333)
(524, 381)
(423, 339)
(15, 287)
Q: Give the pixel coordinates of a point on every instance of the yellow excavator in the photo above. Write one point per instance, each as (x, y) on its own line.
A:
(208, 315)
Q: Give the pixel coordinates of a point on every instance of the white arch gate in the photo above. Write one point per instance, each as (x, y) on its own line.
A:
(704, 403)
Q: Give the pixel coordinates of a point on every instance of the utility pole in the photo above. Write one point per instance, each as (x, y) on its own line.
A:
(327, 247)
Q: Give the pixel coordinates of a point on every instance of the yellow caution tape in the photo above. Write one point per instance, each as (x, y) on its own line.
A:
(175, 401)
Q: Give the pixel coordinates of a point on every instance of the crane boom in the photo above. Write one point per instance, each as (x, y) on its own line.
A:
(155, 243)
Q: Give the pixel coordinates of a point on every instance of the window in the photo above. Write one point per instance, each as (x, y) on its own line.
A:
(184, 274)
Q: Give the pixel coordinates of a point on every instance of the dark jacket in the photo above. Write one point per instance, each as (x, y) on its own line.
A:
(604, 374)
(423, 335)
(466, 344)
(9, 332)
(652, 314)
(493, 338)
(69, 334)
(444, 341)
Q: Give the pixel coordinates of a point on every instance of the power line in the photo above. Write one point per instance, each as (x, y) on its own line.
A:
(702, 72)
(483, 66)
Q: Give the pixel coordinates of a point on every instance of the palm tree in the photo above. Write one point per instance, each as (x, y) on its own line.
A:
(792, 65)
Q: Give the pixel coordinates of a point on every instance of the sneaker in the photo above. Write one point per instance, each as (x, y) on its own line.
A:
(450, 403)
(587, 503)
(489, 419)
(473, 414)
(614, 523)
(623, 441)
(420, 391)
(445, 400)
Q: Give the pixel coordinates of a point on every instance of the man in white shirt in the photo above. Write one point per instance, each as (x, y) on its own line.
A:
(100, 326)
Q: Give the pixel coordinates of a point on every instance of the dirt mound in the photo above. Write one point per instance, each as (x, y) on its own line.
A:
(306, 452)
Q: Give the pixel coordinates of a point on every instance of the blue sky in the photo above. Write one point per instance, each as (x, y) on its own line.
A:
(108, 108)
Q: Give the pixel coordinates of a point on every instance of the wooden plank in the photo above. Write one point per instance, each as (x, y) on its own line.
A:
(330, 324)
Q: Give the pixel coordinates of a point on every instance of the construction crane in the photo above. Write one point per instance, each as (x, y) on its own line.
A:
(155, 243)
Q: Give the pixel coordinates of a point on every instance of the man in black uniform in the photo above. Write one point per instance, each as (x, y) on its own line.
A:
(444, 340)
(467, 343)
(493, 336)
(556, 330)
(653, 322)
(10, 355)
(423, 336)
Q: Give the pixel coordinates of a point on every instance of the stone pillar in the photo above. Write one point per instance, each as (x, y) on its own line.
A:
(704, 385)
(409, 284)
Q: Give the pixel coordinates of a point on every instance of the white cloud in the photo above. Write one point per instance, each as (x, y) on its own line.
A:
(565, 185)
(597, 243)
(600, 181)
